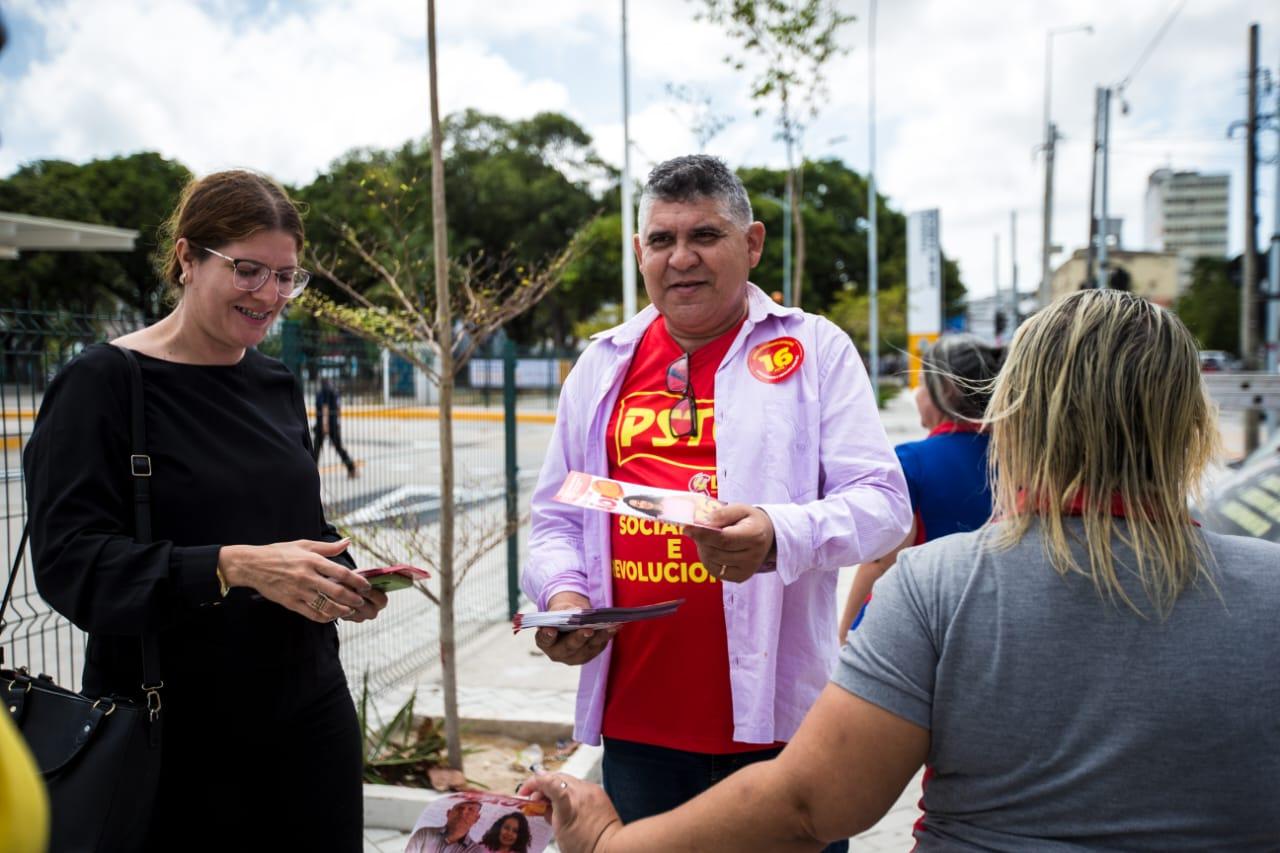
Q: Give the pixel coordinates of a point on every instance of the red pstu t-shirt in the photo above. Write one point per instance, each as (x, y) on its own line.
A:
(669, 678)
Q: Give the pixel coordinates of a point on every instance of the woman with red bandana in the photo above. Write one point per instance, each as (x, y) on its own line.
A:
(947, 470)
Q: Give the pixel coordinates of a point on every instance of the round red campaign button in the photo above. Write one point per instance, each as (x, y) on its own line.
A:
(775, 360)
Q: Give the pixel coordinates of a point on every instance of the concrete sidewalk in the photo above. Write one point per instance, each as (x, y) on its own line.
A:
(504, 676)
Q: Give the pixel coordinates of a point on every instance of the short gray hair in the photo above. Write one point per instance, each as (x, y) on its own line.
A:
(697, 176)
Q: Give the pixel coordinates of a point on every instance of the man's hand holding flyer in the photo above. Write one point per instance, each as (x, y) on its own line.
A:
(592, 617)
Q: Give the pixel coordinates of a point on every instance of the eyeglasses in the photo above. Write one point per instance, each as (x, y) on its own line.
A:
(684, 409)
(251, 275)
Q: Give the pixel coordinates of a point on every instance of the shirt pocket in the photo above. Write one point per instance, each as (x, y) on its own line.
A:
(790, 448)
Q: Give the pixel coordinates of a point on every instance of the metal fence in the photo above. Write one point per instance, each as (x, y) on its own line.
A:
(389, 426)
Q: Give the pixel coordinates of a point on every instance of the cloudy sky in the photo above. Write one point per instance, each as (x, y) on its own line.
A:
(286, 86)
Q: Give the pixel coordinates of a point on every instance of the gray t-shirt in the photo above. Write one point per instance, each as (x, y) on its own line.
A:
(1060, 721)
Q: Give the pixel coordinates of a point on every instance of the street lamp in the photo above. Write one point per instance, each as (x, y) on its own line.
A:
(1050, 142)
(873, 258)
(628, 207)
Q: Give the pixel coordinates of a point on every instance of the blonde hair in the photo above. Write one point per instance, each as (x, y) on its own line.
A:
(1101, 397)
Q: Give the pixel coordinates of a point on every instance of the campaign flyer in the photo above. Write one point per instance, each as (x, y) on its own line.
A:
(615, 496)
(476, 822)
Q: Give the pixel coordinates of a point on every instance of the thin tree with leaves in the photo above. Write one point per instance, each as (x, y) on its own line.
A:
(792, 41)
(433, 316)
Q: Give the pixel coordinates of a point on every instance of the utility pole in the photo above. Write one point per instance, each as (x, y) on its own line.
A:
(1273, 276)
(1091, 247)
(1104, 107)
(1050, 147)
(1046, 236)
(995, 278)
(1013, 264)
(1248, 266)
(873, 257)
(786, 233)
(1273, 303)
(628, 207)
(1096, 266)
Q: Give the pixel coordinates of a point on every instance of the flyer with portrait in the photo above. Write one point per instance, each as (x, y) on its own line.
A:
(615, 496)
(480, 821)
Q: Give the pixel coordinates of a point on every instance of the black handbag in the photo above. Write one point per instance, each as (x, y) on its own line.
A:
(100, 757)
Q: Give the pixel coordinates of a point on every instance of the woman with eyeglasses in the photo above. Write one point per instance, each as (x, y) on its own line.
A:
(242, 579)
(1090, 671)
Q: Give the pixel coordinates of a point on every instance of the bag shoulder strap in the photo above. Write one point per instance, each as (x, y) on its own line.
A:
(140, 468)
(8, 588)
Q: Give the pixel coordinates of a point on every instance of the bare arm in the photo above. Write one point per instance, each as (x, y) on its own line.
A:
(868, 574)
(843, 771)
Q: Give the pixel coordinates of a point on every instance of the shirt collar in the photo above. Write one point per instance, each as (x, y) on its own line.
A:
(948, 427)
(759, 306)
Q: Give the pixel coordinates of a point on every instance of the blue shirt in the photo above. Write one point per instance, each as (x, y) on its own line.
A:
(947, 479)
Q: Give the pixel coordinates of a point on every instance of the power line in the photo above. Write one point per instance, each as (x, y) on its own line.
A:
(1155, 40)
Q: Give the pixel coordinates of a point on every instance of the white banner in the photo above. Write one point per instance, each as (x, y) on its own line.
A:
(924, 274)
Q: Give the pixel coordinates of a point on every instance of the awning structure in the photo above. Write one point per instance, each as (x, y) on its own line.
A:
(19, 232)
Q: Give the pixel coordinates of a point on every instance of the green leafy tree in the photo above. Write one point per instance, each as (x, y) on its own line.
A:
(791, 42)
(137, 191)
(851, 311)
(1211, 305)
(517, 190)
(589, 292)
(391, 263)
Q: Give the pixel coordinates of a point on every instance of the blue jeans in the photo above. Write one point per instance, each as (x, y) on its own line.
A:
(644, 780)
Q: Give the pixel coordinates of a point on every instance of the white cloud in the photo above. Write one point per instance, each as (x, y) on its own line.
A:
(286, 97)
(286, 86)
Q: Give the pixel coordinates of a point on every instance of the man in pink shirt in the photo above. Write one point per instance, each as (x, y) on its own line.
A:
(715, 389)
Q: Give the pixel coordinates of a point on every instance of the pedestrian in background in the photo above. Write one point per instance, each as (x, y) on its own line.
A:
(947, 470)
(1090, 671)
(329, 424)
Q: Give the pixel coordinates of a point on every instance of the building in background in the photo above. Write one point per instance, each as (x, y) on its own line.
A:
(1151, 275)
(1186, 213)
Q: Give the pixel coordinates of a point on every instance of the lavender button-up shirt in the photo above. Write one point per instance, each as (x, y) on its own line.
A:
(809, 451)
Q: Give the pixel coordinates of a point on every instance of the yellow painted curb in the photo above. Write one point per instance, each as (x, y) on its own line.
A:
(423, 413)
(406, 413)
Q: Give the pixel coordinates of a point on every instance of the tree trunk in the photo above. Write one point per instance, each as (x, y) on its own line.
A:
(444, 334)
(797, 223)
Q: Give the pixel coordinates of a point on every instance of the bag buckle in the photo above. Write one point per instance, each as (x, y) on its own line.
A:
(140, 465)
(153, 700)
(110, 703)
(20, 675)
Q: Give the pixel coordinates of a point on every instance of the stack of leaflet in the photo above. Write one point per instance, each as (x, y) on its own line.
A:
(593, 617)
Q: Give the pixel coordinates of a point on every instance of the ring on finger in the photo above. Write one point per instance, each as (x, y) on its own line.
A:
(724, 567)
(319, 603)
